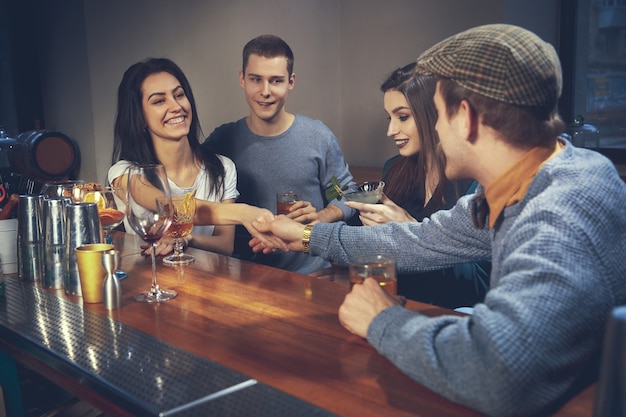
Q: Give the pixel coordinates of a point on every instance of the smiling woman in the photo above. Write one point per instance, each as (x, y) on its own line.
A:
(416, 187)
(157, 123)
(166, 108)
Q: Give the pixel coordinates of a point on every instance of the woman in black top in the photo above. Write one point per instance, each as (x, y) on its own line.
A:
(416, 187)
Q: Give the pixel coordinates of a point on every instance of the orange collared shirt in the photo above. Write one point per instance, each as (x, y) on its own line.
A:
(510, 187)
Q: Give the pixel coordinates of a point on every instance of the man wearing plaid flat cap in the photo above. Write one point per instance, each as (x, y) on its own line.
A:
(549, 215)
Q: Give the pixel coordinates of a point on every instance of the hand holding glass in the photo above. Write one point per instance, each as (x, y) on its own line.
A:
(381, 268)
(284, 201)
(149, 218)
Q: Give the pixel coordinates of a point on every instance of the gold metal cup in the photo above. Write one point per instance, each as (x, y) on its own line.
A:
(91, 271)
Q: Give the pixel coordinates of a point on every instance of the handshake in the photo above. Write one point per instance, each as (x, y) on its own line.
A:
(278, 234)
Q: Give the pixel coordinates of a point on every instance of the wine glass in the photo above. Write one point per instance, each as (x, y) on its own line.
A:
(149, 218)
(184, 208)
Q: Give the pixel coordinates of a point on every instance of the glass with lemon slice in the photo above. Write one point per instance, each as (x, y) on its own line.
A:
(110, 216)
(182, 224)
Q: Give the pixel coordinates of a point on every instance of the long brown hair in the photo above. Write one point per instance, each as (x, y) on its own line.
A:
(134, 144)
(408, 174)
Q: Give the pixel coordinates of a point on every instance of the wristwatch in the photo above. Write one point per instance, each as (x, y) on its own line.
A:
(306, 238)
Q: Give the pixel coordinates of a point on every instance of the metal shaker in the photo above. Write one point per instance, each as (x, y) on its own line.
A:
(111, 289)
(82, 228)
(30, 237)
(55, 248)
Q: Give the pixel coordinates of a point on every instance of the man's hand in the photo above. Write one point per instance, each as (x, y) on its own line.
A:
(302, 212)
(250, 215)
(362, 304)
(289, 232)
(388, 211)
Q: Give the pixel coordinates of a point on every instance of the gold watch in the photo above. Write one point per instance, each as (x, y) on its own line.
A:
(306, 238)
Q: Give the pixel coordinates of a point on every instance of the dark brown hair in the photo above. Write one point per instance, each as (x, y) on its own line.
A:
(268, 46)
(408, 173)
(133, 143)
(521, 126)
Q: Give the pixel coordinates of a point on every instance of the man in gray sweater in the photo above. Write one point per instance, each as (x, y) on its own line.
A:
(552, 217)
(276, 151)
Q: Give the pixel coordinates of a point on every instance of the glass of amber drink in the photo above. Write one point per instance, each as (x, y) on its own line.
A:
(284, 201)
(108, 212)
(381, 268)
(184, 208)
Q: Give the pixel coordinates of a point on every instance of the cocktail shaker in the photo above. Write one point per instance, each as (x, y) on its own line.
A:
(55, 242)
(30, 237)
(82, 228)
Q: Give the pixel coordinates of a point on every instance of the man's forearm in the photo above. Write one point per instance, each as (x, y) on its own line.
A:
(330, 214)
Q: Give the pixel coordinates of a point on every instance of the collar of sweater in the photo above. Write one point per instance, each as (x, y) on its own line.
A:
(511, 186)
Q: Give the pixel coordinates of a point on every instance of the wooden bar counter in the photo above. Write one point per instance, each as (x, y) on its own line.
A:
(277, 328)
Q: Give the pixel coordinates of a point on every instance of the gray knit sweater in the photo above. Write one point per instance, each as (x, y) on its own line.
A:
(302, 159)
(558, 269)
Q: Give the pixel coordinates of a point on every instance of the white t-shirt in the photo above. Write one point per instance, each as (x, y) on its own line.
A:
(201, 183)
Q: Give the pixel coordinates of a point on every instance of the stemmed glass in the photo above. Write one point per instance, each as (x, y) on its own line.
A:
(110, 216)
(149, 218)
(184, 208)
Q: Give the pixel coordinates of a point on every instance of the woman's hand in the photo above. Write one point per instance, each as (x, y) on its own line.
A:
(164, 246)
(252, 214)
(388, 211)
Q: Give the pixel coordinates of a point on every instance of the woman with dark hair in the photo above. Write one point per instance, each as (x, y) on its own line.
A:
(416, 187)
(157, 123)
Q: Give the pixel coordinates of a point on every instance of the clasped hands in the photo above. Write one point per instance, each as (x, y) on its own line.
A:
(361, 305)
(282, 232)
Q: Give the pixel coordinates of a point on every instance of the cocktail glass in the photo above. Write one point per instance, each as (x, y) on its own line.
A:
(108, 212)
(184, 208)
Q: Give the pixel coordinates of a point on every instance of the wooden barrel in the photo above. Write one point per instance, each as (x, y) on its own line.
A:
(45, 155)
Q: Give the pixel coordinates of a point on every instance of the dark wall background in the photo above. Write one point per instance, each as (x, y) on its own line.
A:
(21, 107)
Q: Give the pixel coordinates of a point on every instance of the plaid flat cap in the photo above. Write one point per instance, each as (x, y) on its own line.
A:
(503, 62)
